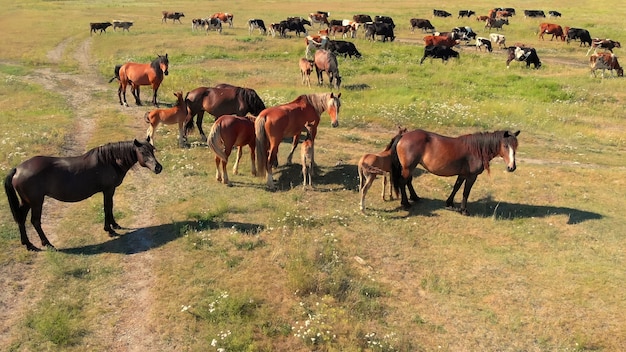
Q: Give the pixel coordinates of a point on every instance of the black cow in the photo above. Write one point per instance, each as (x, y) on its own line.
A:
(362, 18)
(422, 24)
(441, 13)
(342, 47)
(256, 23)
(379, 29)
(534, 13)
(466, 13)
(438, 52)
(523, 54)
(101, 26)
(580, 34)
(385, 19)
(293, 24)
(554, 14)
(124, 25)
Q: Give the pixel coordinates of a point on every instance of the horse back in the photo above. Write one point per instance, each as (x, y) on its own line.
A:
(236, 130)
(139, 74)
(289, 119)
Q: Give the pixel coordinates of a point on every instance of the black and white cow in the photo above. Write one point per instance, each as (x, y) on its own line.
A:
(438, 52)
(466, 13)
(342, 47)
(441, 13)
(422, 24)
(534, 13)
(481, 41)
(529, 55)
(580, 34)
(464, 33)
(374, 29)
(256, 23)
(554, 13)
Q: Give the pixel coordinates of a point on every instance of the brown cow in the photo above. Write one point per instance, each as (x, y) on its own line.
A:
(606, 44)
(605, 61)
(439, 40)
(174, 16)
(551, 28)
(225, 17)
(320, 18)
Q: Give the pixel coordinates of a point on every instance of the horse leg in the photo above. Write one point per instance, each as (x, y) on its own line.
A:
(182, 138)
(294, 144)
(109, 220)
(469, 182)
(35, 219)
(218, 170)
(457, 185)
(199, 124)
(271, 161)
(21, 223)
(119, 94)
(252, 146)
(136, 91)
(412, 194)
(367, 179)
(236, 166)
(155, 89)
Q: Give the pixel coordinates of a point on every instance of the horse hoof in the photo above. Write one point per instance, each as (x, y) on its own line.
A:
(32, 248)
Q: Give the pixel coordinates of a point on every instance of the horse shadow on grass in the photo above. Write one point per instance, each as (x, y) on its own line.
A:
(144, 239)
(341, 176)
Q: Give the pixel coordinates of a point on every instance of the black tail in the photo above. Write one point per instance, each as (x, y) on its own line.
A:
(396, 167)
(14, 201)
(117, 73)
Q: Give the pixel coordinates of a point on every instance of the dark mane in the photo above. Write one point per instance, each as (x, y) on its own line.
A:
(252, 99)
(119, 153)
(485, 145)
(156, 63)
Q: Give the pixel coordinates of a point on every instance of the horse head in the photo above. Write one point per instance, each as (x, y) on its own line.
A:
(145, 156)
(508, 147)
(333, 104)
(164, 63)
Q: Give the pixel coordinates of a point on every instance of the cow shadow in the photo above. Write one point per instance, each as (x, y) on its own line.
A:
(141, 240)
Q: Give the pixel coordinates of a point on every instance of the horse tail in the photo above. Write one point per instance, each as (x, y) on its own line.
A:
(261, 145)
(396, 168)
(117, 73)
(14, 201)
(216, 142)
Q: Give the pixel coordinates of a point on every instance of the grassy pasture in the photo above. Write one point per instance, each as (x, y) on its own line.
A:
(537, 267)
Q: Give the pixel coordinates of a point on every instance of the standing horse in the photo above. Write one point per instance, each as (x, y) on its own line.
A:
(466, 156)
(223, 99)
(176, 114)
(72, 179)
(229, 131)
(141, 75)
(288, 120)
(326, 61)
(306, 157)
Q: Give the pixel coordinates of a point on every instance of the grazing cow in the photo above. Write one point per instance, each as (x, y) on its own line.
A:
(197, 23)
(343, 30)
(534, 13)
(362, 18)
(293, 24)
(174, 16)
(480, 42)
(529, 55)
(554, 14)
(503, 14)
(466, 13)
(385, 19)
(605, 61)
(438, 52)
(606, 44)
(379, 29)
(509, 10)
(342, 47)
(580, 34)
(498, 39)
(224, 17)
(440, 40)
(213, 24)
(320, 18)
(441, 13)
(273, 29)
(256, 23)
(422, 24)
(124, 25)
(306, 67)
(496, 23)
(101, 26)
(551, 28)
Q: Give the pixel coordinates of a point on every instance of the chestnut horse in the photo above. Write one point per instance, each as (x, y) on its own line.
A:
(229, 131)
(72, 179)
(176, 114)
(141, 75)
(223, 99)
(466, 156)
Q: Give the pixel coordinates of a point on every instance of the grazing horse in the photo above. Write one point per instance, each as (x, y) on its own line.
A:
(288, 120)
(176, 114)
(466, 156)
(306, 67)
(326, 61)
(227, 132)
(223, 99)
(141, 75)
(371, 165)
(72, 179)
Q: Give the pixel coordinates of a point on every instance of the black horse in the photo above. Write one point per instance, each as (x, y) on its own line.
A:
(223, 99)
(72, 179)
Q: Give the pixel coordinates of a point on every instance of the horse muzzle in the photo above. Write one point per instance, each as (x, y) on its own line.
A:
(335, 123)
(158, 168)
(166, 72)
(511, 168)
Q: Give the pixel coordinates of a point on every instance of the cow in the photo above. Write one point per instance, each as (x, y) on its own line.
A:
(606, 44)
(464, 33)
(441, 13)
(480, 42)
(482, 18)
(213, 24)
(256, 23)
(422, 24)
(293, 24)
(101, 26)
(551, 28)
(343, 30)
(385, 19)
(224, 17)
(503, 14)
(466, 13)
(273, 28)
(580, 34)
(534, 13)
(510, 10)
(605, 61)
(342, 47)
(197, 23)
(496, 23)
(529, 55)
(379, 29)
(174, 16)
(320, 18)
(362, 18)
(440, 40)
(438, 52)
(498, 39)
(554, 13)
(124, 25)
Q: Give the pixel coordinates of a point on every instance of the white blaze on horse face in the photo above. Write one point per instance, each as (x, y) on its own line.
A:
(333, 111)
(511, 165)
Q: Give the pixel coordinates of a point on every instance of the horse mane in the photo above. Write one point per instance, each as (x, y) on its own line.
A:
(485, 145)
(253, 101)
(401, 131)
(318, 100)
(156, 63)
(117, 153)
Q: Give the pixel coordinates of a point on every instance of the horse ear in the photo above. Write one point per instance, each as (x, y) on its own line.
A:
(137, 143)
(338, 95)
(517, 133)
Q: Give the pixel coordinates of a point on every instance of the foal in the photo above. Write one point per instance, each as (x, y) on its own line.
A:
(306, 152)
(306, 67)
(176, 114)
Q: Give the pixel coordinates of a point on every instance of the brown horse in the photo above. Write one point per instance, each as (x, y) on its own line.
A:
(371, 165)
(229, 131)
(466, 156)
(141, 75)
(176, 114)
(306, 67)
(72, 179)
(223, 99)
(288, 120)
(326, 61)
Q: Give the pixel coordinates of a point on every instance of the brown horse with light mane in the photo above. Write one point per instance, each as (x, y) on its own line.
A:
(466, 156)
(227, 132)
(288, 120)
(176, 114)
